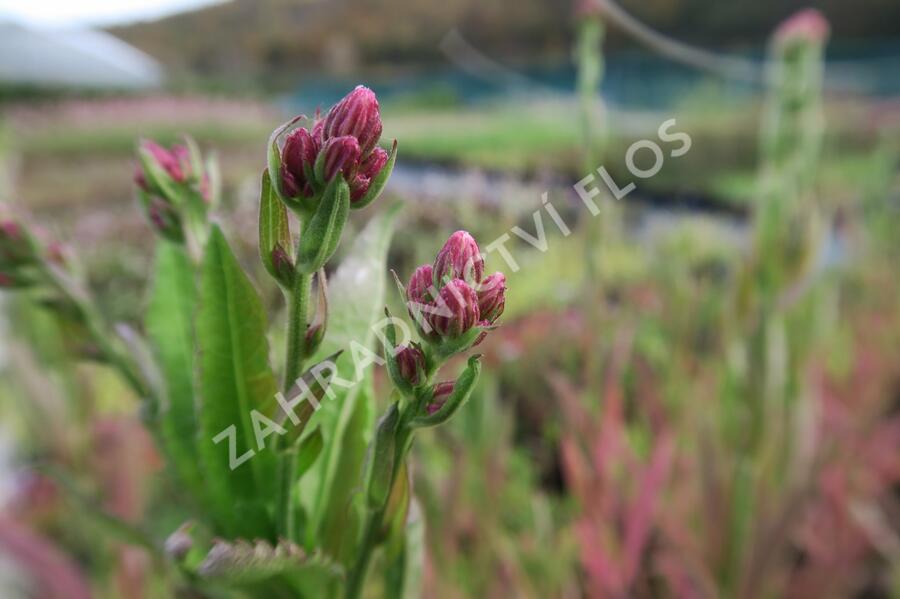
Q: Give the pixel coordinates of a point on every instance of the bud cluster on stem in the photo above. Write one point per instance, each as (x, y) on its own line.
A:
(344, 142)
(453, 305)
(176, 188)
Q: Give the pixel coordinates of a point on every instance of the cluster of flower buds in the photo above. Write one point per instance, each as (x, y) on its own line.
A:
(452, 297)
(453, 305)
(174, 186)
(344, 142)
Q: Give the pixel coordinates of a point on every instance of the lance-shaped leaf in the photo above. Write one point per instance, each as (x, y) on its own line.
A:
(321, 235)
(294, 462)
(275, 243)
(397, 507)
(384, 447)
(378, 182)
(462, 389)
(405, 555)
(235, 383)
(170, 329)
(304, 398)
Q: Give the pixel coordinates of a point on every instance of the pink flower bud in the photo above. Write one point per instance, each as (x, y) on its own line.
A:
(441, 393)
(460, 258)
(357, 115)
(15, 248)
(341, 155)
(10, 231)
(411, 362)
(282, 264)
(419, 289)
(456, 311)
(808, 24)
(492, 296)
(139, 179)
(164, 218)
(368, 170)
(6, 281)
(174, 162)
(297, 159)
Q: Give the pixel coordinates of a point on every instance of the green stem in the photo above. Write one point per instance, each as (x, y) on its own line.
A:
(375, 519)
(298, 314)
(357, 576)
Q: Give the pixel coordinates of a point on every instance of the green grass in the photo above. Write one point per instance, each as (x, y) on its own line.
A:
(121, 138)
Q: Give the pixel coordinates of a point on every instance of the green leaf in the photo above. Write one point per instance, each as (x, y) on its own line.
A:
(307, 452)
(274, 232)
(383, 454)
(462, 389)
(170, 330)
(235, 379)
(406, 558)
(320, 237)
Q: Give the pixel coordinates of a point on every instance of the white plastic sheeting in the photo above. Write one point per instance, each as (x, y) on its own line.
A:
(73, 59)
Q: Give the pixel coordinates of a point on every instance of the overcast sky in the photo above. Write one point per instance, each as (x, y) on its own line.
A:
(53, 13)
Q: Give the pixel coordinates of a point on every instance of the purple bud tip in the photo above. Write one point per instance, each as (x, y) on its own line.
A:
(176, 162)
(492, 296)
(139, 179)
(457, 309)
(460, 258)
(357, 115)
(281, 262)
(808, 24)
(297, 159)
(411, 362)
(10, 230)
(419, 289)
(441, 392)
(341, 155)
(368, 170)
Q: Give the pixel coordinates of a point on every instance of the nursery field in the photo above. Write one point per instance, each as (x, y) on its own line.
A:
(534, 346)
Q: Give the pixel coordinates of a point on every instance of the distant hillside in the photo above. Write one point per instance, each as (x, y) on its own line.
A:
(273, 41)
(268, 38)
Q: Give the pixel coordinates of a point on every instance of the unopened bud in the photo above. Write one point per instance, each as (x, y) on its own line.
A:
(420, 284)
(356, 115)
(411, 363)
(164, 218)
(341, 154)
(807, 25)
(460, 258)
(16, 247)
(368, 170)
(492, 297)
(441, 392)
(457, 310)
(284, 267)
(297, 160)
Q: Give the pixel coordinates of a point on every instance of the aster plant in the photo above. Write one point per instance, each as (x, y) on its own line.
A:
(293, 487)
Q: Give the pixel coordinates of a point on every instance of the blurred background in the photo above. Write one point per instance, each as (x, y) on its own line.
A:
(694, 394)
